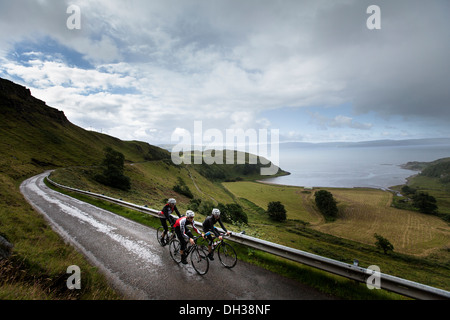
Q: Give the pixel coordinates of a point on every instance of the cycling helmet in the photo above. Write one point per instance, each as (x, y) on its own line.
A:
(190, 214)
(172, 201)
(216, 212)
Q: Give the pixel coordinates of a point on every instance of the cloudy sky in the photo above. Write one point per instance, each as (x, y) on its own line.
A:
(144, 69)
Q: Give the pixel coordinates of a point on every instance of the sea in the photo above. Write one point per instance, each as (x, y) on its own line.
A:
(371, 165)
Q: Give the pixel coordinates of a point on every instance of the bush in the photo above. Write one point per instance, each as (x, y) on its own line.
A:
(407, 190)
(326, 203)
(424, 202)
(205, 207)
(383, 244)
(182, 188)
(194, 204)
(235, 213)
(230, 212)
(276, 211)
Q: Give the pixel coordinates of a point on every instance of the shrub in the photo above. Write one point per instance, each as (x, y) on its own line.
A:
(424, 202)
(182, 188)
(326, 203)
(407, 190)
(276, 211)
(383, 244)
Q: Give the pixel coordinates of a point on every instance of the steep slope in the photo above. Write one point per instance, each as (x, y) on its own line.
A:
(36, 136)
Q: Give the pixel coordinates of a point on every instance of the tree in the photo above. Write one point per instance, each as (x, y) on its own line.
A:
(230, 212)
(235, 213)
(326, 203)
(383, 244)
(112, 175)
(205, 207)
(424, 202)
(276, 211)
(407, 190)
(182, 188)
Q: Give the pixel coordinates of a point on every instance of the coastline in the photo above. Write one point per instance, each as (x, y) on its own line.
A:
(316, 187)
(413, 166)
(389, 189)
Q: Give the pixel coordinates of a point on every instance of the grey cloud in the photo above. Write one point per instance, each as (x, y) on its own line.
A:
(402, 69)
(339, 121)
(196, 57)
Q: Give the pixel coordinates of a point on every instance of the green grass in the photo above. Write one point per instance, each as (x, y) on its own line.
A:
(37, 268)
(335, 286)
(297, 233)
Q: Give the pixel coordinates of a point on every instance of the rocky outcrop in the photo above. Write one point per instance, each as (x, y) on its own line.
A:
(5, 248)
(17, 101)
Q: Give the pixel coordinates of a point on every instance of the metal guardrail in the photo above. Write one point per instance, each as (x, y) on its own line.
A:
(398, 285)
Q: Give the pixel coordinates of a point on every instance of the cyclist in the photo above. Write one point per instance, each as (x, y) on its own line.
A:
(208, 225)
(184, 234)
(165, 215)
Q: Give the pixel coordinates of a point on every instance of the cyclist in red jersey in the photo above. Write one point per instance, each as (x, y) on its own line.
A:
(184, 234)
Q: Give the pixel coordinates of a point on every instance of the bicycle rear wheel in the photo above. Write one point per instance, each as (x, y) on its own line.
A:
(227, 255)
(199, 260)
(174, 249)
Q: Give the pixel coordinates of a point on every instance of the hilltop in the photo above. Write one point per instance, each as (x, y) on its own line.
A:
(36, 137)
(434, 169)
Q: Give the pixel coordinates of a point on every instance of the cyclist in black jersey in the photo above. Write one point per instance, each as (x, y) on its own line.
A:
(208, 225)
(165, 215)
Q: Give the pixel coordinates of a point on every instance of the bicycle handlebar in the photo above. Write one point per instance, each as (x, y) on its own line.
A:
(223, 235)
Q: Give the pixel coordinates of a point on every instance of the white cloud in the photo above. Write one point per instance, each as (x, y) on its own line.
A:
(160, 65)
(339, 121)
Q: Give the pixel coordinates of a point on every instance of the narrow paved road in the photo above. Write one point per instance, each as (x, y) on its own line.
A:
(129, 255)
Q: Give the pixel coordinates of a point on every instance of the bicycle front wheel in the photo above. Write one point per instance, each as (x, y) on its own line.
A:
(199, 260)
(227, 255)
(159, 233)
(174, 249)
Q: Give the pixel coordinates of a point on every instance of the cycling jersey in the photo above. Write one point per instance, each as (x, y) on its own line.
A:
(208, 225)
(181, 224)
(167, 211)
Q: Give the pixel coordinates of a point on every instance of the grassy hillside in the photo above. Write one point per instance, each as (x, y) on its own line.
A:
(35, 138)
(35, 135)
(433, 178)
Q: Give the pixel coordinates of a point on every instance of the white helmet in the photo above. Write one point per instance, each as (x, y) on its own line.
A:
(216, 212)
(172, 201)
(190, 214)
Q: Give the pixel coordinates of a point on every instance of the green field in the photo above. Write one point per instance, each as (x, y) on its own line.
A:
(362, 213)
(420, 241)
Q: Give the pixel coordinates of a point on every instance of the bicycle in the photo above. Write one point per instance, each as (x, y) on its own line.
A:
(199, 259)
(170, 234)
(225, 251)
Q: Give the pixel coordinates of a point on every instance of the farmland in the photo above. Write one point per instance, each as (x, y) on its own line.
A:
(362, 213)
